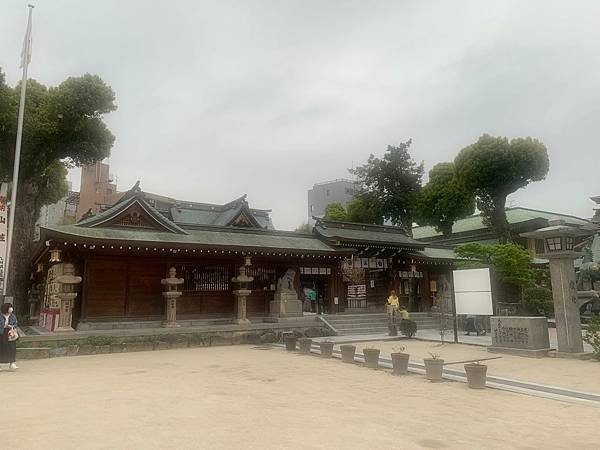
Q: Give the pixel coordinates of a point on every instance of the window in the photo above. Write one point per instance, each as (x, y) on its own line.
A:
(109, 192)
(204, 278)
(327, 192)
(312, 208)
(569, 243)
(539, 246)
(350, 191)
(554, 244)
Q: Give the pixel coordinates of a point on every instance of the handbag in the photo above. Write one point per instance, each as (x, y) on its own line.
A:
(12, 335)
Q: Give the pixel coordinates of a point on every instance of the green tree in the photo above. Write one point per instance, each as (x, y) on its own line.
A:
(494, 167)
(511, 262)
(335, 211)
(394, 181)
(364, 209)
(63, 127)
(444, 199)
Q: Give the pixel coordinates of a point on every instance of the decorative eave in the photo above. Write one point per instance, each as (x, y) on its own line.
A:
(133, 202)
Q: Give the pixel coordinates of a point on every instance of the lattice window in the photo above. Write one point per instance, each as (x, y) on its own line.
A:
(198, 278)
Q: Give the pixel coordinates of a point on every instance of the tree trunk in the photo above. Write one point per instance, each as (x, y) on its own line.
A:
(26, 214)
(499, 219)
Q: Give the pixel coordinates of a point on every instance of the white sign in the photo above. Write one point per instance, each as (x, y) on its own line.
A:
(3, 230)
(473, 292)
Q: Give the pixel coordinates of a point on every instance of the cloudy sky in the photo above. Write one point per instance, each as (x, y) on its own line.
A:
(221, 98)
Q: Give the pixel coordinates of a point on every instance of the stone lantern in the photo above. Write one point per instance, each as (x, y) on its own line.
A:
(68, 292)
(242, 292)
(171, 294)
(560, 251)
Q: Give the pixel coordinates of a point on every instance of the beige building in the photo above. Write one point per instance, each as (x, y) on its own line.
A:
(98, 190)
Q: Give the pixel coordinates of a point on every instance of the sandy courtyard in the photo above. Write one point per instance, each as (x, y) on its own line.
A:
(240, 397)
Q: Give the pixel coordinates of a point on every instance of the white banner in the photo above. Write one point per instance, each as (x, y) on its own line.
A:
(473, 292)
(3, 230)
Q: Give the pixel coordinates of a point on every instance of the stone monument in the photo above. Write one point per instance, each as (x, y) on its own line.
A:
(241, 293)
(521, 336)
(171, 294)
(559, 250)
(285, 302)
(68, 281)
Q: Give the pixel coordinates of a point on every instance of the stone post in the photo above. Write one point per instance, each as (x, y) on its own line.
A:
(559, 250)
(241, 294)
(67, 295)
(171, 295)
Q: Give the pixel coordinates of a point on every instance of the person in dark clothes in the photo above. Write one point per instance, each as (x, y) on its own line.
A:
(470, 325)
(8, 325)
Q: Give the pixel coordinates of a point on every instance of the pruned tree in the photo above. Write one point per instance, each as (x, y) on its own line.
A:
(493, 168)
(394, 181)
(63, 127)
(444, 199)
(335, 211)
(364, 208)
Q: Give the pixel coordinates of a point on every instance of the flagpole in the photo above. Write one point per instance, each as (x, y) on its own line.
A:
(15, 179)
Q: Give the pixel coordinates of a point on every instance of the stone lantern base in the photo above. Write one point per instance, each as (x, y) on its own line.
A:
(240, 306)
(171, 309)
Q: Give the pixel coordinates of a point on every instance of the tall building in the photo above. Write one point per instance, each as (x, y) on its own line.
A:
(98, 190)
(322, 194)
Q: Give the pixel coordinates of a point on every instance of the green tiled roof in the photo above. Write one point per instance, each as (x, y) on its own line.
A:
(513, 215)
(365, 234)
(205, 237)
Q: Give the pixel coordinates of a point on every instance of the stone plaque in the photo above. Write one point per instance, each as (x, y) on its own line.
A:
(519, 333)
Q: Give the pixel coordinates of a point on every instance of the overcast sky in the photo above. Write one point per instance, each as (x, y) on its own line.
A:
(217, 99)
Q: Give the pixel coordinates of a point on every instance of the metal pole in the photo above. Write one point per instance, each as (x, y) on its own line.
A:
(15, 179)
(454, 307)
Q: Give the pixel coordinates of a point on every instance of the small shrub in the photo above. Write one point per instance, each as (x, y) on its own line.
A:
(408, 327)
(538, 301)
(592, 335)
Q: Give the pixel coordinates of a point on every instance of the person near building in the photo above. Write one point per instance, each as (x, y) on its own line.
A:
(8, 345)
(470, 325)
(393, 304)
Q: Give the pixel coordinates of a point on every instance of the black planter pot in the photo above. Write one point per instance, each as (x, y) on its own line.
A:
(371, 357)
(348, 353)
(400, 363)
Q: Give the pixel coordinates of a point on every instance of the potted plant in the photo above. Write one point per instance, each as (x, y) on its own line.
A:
(348, 353)
(305, 345)
(434, 367)
(326, 349)
(476, 375)
(399, 361)
(290, 343)
(371, 357)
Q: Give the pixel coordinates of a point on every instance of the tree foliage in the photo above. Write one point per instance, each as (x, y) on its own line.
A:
(538, 301)
(510, 262)
(444, 199)
(494, 167)
(394, 181)
(335, 211)
(364, 208)
(63, 127)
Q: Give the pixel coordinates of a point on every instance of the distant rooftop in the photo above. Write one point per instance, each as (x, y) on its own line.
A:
(339, 180)
(514, 216)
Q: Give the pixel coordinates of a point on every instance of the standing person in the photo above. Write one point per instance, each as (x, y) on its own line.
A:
(470, 325)
(393, 304)
(8, 325)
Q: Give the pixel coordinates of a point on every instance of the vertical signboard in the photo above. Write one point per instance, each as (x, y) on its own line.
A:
(3, 231)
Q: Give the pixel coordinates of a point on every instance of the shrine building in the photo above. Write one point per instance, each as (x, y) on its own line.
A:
(116, 259)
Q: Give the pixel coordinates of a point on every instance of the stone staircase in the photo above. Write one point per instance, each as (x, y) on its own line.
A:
(374, 323)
